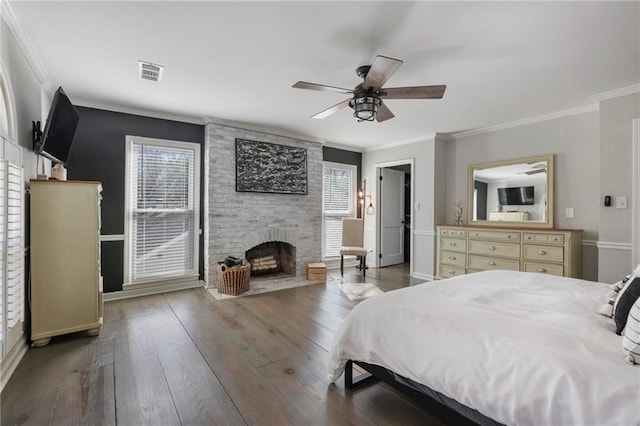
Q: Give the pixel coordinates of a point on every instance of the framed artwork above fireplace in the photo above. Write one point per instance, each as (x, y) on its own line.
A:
(269, 167)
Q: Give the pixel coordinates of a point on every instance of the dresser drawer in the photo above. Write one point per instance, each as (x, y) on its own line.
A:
(544, 238)
(494, 235)
(453, 232)
(482, 262)
(545, 253)
(543, 268)
(453, 258)
(494, 249)
(447, 271)
(451, 244)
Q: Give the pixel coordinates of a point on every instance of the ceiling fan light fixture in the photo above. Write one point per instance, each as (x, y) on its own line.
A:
(365, 107)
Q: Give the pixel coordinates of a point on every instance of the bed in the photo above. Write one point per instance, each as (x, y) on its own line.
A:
(512, 347)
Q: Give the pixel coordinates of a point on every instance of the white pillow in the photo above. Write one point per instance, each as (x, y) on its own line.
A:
(612, 298)
(631, 335)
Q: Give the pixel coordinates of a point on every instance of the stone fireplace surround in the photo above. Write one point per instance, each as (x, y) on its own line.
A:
(238, 221)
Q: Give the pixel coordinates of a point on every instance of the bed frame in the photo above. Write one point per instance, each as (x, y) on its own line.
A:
(445, 409)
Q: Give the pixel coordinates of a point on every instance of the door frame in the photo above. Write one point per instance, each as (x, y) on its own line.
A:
(635, 184)
(379, 166)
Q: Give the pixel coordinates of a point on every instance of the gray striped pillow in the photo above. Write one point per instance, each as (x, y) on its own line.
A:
(631, 335)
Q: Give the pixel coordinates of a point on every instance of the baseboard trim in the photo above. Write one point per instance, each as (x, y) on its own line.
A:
(422, 276)
(11, 361)
(129, 293)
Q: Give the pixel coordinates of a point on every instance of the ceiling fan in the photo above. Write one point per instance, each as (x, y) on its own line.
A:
(538, 168)
(366, 100)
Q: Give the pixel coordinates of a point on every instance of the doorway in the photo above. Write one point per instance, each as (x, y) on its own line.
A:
(394, 223)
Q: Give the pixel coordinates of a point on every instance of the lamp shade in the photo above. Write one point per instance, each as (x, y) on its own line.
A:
(370, 209)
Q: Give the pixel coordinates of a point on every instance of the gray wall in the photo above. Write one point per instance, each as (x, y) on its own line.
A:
(423, 155)
(616, 172)
(27, 91)
(574, 140)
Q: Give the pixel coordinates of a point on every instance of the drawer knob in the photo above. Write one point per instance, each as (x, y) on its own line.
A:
(508, 236)
(451, 243)
(452, 258)
(529, 237)
(492, 263)
(492, 248)
(452, 272)
(542, 270)
(541, 252)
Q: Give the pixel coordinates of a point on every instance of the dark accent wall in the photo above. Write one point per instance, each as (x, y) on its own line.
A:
(481, 209)
(336, 155)
(98, 153)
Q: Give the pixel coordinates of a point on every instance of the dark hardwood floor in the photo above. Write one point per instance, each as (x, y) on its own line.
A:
(187, 358)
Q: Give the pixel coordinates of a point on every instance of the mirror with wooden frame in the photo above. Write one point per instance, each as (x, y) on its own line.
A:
(515, 193)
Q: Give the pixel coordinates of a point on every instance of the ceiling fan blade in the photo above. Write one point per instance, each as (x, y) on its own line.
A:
(321, 87)
(383, 113)
(417, 92)
(380, 71)
(536, 171)
(337, 107)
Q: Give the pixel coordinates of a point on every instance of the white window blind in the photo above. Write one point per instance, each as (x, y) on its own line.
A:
(338, 197)
(14, 254)
(163, 204)
(3, 239)
(11, 255)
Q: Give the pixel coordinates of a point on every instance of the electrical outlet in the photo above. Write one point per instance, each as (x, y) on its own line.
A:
(621, 202)
(568, 213)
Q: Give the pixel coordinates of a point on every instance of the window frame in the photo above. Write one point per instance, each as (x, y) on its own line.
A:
(128, 210)
(354, 202)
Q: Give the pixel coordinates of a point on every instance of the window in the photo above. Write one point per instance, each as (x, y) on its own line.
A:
(338, 201)
(162, 211)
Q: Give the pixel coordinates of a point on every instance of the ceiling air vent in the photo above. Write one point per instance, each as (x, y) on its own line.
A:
(149, 71)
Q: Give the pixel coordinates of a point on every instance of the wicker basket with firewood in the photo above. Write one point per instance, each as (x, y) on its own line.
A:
(234, 280)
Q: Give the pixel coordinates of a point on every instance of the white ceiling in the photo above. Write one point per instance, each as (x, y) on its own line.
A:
(235, 62)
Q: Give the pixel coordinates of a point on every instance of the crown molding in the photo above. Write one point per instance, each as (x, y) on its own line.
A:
(137, 111)
(531, 120)
(342, 147)
(263, 129)
(400, 143)
(623, 91)
(26, 45)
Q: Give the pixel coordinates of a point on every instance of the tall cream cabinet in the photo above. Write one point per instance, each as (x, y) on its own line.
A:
(66, 287)
(466, 249)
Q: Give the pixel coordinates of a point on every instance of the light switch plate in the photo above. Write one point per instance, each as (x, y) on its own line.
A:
(621, 202)
(569, 213)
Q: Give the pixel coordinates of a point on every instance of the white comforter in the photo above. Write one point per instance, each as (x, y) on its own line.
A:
(521, 348)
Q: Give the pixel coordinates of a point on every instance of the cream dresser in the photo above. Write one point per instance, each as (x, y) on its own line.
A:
(66, 287)
(466, 249)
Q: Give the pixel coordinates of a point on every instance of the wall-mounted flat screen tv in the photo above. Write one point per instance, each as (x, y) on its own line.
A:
(516, 196)
(60, 129)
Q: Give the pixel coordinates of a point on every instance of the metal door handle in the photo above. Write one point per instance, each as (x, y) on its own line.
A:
(542, 252)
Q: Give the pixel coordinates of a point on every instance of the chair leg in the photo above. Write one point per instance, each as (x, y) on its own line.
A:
(363, 264)
(341, 265)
